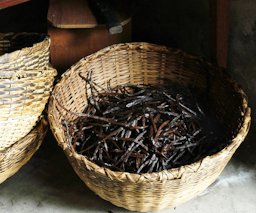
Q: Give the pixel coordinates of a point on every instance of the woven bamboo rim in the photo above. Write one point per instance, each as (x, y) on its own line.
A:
(27, 58)
(23, 74)
(14, 157)
(144, 63)
(22, 101)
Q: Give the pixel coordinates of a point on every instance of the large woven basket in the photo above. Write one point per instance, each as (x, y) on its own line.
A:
(143, 63)
(23, 96)
(14, 157)
(24, 51)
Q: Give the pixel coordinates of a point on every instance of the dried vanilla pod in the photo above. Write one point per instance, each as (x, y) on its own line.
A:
(143, 128)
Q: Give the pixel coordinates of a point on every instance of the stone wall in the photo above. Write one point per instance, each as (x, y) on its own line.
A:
(242, 46)
(242, 65)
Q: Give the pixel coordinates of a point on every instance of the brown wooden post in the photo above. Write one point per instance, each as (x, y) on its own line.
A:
(220, 30)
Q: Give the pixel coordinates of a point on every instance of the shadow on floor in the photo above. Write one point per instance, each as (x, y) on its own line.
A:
(48, 179)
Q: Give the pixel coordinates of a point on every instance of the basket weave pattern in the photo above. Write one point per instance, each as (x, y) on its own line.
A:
(143, 63)
(22, 101)
(26, 80)
(14, 157)
(27, 58)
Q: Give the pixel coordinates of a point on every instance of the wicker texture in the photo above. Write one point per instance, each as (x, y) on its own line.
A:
(14, 157)
(143, 63)
(22, 100)
(26, 80)
(24, 51)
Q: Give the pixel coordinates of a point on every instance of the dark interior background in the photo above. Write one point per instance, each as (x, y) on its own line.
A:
(177, 23)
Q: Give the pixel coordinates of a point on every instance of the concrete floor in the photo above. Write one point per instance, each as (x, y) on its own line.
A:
(47, 184)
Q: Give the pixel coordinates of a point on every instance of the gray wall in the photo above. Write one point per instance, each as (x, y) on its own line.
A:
(242, 64)
(242, 45)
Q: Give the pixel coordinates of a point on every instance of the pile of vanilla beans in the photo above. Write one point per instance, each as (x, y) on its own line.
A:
(140, 129)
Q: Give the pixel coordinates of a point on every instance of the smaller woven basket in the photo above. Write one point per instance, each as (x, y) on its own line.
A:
(14, 157)
(23, 96)
(143, 63)
(24, 51)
